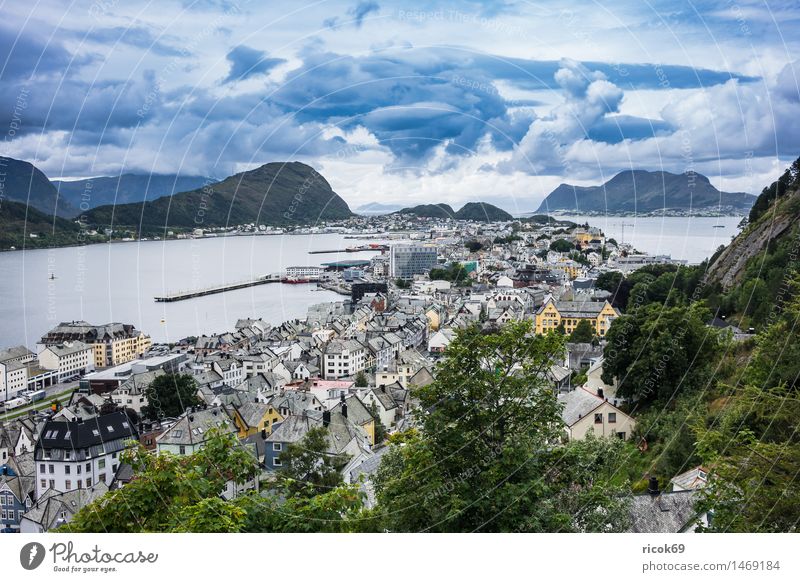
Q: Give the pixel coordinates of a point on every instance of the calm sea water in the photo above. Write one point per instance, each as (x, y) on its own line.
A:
(117, 282)
(692, 239)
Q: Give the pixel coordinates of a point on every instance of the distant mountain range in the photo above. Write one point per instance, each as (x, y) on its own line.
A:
(376, 208)
(477, 211)
(642, 192)
(273, 194)
(125, 188)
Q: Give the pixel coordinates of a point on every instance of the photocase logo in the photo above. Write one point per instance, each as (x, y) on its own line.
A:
(31, 555)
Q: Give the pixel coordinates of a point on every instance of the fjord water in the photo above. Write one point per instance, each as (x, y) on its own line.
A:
(691, 239)
(118, 282)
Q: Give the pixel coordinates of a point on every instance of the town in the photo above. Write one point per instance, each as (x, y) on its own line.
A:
(351, 367)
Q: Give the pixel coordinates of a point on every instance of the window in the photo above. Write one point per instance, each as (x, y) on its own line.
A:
(79, 469)
(598, 418)
(277, 446)
(68, 484)
(182, 450)
(42, 468)
(88, 467)
(52, 483)
(101, 464)
(44, 483)
(88, 482)
(103, 477)
(52, 469)
(612, 417)
(67, 469)
(80, 484)
(276, 461)
(621, 435)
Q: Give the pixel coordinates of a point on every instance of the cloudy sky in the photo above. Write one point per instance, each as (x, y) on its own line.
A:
(405, 102)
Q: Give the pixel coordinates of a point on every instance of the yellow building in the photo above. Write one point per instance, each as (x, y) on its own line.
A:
(253, 417)
(572, 269)
(570, 313)
(585, 237)
(112, 344)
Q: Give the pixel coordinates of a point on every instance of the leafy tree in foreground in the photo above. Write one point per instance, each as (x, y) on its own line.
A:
(486, 457)
(307, 469)
(170, 395)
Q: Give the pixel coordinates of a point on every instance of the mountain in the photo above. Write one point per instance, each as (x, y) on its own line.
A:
(275, 194)
(93, 192)
(642, 191)
(482, 212)
(24, 182)
(376, 208)
(429, 211)
(477, 211)
(18, 221)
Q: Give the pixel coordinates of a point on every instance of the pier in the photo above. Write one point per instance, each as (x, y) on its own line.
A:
(182, 295)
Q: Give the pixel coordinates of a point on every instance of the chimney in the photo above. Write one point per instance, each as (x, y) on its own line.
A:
(344, 409)
(600, 392)
(326, 418)
(652, 486)
(263, 434)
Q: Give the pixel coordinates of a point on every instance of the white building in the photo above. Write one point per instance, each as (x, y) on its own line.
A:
(304, 272)
(14, 371)
(77, 454)
(343, 358)
(69, 358)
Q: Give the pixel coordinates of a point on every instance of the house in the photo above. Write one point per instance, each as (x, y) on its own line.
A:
(70, 359)
(190, 432)
(17, 493)
(14, 371)
(385, 405)
(54, 508)
(343, 436)
(77, 454)
(343, 358)
(131, 393)
(690, 480)
(553, 314)
(586, 412)
(253, 417)
(659, 512)
(439, 340)
(354, 410)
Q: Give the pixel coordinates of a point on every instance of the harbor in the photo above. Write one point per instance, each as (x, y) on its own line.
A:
(183, 295)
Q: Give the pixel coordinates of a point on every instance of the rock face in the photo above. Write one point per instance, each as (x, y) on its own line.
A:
(729, 266)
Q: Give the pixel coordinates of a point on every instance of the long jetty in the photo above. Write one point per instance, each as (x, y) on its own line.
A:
(182, 295)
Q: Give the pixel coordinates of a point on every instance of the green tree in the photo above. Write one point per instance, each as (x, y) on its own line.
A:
(173, 493)
(584, 332)
(473, 246)
(307, 469)
(361, 379)
(654, 351)
(484, 457)
(170, 395)
(402, 284)
(561, 246)
(380, 430)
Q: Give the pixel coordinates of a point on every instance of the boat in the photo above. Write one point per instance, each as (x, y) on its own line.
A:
(719, 226)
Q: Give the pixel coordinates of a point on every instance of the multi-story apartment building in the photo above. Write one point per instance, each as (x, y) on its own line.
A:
(408, 260)
(304, 272)
(343, 358)
(112, 343)
(569, 313)
(75, 454)
(14, 371)
(70, 359)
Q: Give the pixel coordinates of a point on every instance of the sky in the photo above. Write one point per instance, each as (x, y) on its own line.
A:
(405, 102)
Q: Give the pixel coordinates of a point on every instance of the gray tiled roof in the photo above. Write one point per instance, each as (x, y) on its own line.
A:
(664, 513)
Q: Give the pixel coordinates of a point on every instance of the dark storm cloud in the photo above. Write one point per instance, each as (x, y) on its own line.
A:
(248, 62)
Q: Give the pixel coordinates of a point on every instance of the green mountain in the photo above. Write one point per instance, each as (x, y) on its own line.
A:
(278, 194)
(125, 188)
(482, 212)
(477, 211)
(642, 191)
(19, 221)
(429, 211)
(24, 182)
